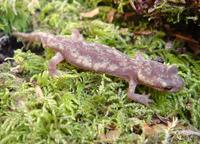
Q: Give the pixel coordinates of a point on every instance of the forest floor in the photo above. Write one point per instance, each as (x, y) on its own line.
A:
(86, 107)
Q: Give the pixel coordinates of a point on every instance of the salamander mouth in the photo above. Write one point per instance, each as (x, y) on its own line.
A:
(169, 89)
(159, 89)
(175, 89)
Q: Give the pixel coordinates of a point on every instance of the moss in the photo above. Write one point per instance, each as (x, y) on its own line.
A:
(80, 105)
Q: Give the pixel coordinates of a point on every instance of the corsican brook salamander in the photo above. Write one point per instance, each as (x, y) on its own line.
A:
(103, 59)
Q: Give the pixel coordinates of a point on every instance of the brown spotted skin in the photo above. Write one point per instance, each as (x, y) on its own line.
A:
(103, 59)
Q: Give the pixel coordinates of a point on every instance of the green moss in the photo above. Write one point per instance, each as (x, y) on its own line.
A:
(80, 106)
(14, 15)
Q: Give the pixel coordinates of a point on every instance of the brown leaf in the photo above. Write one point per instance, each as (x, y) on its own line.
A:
(192, 43)
(123, 30)
(127, 15)
(158, 125)
(195, 48)
(110, 15)
(38, 91)
(154, 129)
(157, 119)
(144, 32)
(186, 38)
(91, 13)
(111, 126)
(17, 69)
(178, 2)
(110, 136)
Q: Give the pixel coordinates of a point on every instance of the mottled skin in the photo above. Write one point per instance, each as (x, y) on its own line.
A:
(103, 59)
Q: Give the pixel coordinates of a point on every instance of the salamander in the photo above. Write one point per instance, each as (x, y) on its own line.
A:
(104, 59)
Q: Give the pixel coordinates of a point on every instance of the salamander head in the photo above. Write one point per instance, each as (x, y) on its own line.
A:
(159, 76)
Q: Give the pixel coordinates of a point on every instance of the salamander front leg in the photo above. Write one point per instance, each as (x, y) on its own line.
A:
(53, 63)
(143, 99)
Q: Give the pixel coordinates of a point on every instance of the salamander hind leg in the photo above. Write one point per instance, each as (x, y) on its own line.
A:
(143, 99)
(53, 63)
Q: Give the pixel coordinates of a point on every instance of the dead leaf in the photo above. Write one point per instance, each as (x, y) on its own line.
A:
(144, 32)
(127, 15)
(186, 38)
(110, 136)
(38, 91)
(110, 15)
(17, 69)
(91, 13)
(192, 43)
(111, 126)
(194, 47)
(157, 119)
(154, 129)
(159, 125)
(123, 30)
